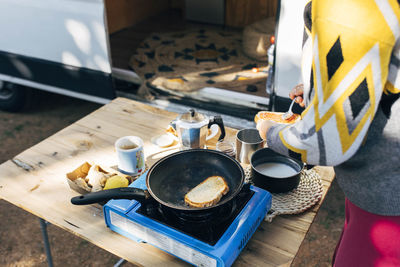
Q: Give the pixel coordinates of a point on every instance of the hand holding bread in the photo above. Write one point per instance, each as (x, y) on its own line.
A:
(263, 127)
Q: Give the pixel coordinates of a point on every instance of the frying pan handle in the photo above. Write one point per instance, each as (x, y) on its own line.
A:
(115, 193)
(218, 121)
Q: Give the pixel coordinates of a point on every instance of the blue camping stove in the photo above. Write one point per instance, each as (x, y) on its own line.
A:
(208, 240)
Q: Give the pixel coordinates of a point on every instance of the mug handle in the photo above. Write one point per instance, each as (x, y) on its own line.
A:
(218, 120)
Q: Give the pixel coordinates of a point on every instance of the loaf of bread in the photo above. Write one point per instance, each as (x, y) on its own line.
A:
(207, 193)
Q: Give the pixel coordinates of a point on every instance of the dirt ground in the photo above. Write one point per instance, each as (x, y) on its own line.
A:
(21, 241)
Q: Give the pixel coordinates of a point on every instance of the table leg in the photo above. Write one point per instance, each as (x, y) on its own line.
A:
(119, 263)
(43, 226)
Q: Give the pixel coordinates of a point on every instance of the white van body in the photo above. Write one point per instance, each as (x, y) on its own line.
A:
(289, 36)
(63, 46)
(57, 45)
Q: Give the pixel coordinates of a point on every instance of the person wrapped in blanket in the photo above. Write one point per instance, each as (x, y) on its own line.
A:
(351, 76)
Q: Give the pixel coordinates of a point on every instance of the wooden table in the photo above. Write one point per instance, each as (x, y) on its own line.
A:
(35, 181)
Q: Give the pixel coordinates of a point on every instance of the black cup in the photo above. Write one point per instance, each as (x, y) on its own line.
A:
(278, 183)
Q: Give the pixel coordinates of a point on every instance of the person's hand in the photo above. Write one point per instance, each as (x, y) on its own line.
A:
(263, 126)
(297, 92)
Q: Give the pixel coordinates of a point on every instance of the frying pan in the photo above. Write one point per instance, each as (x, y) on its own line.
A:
(170, 178)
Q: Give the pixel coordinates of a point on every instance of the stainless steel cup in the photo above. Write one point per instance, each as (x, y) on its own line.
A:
(248, 141)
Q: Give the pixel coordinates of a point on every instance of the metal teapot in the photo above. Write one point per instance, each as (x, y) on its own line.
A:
(192, 128)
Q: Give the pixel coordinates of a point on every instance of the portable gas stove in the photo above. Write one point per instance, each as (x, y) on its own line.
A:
(208, 240)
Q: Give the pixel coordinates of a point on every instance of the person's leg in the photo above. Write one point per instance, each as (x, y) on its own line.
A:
(346, 218)
(368, 239)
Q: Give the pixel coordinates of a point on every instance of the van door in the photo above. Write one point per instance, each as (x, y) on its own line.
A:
(288, 53)
(57, 45)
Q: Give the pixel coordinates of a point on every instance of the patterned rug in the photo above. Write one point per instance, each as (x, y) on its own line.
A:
(190, 60)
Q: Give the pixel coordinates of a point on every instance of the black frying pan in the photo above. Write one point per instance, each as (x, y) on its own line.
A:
(170, 178)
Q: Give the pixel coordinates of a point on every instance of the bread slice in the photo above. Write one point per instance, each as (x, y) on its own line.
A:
(207, 193)
(276, 117)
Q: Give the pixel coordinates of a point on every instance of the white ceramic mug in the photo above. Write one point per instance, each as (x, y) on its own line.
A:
(130, 155)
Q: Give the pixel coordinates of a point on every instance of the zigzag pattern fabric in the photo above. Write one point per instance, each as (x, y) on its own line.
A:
(349, 63)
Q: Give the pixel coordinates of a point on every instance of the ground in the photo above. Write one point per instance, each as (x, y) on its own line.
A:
(21, 242)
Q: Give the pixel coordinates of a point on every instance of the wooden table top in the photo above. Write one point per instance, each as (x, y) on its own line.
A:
(35, 181)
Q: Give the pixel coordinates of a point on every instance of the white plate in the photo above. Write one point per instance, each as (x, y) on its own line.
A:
(164, 140)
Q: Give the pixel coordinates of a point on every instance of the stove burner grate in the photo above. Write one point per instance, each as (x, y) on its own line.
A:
(206, 225)
(211, 217)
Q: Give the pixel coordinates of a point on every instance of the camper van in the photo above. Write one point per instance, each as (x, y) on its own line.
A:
(100, 49)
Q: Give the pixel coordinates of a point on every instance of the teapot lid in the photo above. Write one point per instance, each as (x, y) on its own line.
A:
(192, 117)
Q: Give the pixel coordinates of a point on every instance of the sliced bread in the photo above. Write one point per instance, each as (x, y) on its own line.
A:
(276, 117)
(207, 193)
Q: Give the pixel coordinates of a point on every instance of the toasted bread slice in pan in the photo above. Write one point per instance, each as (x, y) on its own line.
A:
(207, 193)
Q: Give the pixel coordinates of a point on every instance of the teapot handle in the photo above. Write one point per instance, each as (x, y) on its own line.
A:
(218, 120)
